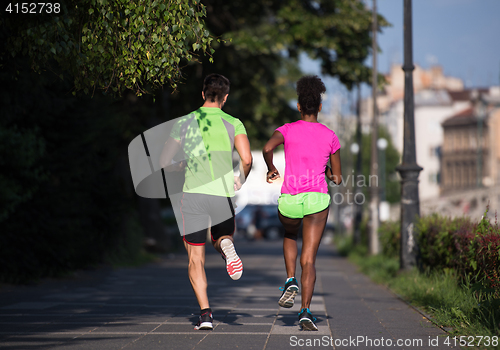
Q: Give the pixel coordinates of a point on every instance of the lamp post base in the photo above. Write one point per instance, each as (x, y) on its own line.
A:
(410, 211)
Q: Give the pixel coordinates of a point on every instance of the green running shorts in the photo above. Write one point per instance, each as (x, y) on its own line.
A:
(299, 205)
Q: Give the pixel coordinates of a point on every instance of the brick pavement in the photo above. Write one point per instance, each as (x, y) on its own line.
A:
(153, 307)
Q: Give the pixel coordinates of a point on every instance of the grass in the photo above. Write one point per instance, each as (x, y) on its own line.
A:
(451, 305)
(461, 308)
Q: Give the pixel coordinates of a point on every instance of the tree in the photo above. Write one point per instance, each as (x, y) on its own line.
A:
(335, 32)
(63, 203)
(110, 45)
(60, 182)
(141, 45)
(262, 43)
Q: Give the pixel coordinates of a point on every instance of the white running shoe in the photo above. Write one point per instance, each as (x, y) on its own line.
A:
(234, 266)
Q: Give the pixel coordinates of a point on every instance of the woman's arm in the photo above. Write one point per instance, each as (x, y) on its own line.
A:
(335, 172)
(275, 140)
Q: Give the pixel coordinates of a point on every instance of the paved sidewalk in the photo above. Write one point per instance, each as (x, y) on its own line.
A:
(154, 307)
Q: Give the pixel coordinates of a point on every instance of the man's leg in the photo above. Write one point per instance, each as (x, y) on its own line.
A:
(223, 215)
(195, 224)
(234, 265)
(198, 279)
(216, 243)
(222, 240)
(196, 271)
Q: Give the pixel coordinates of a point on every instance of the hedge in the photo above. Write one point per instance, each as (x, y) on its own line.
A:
(471, 248)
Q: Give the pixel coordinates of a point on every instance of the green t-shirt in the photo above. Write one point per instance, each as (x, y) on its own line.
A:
(207, 137)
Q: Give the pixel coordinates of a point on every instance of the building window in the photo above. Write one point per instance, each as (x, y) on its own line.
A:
(451, 175)
(434, 178)
(472, 139)
(435, 151)
(472, 174)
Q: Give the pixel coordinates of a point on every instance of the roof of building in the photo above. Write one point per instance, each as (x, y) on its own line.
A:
(430, 97)
(465, 95)
(464, 117)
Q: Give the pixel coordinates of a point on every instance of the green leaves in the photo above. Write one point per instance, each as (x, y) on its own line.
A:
(335, 32)
(124, 41)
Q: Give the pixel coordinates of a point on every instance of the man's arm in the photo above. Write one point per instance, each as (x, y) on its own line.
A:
(170, 149)
(242, 146)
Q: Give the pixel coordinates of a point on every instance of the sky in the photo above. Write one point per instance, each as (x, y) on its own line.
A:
(462, 36)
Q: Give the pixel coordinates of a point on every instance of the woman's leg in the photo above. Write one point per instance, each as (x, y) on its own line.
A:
(312, 231)
(290, 243)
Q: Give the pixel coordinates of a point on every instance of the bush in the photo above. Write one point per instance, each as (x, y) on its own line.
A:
(390, 238)
(63, 199)
(436, 240)
(459, 277)
(471, 249)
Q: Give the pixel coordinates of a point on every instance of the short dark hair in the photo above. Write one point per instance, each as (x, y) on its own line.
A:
(215, 87)
(309, 90)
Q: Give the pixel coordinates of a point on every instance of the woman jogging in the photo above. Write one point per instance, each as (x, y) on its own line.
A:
(309, 146)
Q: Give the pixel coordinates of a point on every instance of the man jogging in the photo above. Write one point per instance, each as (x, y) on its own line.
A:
(207, 137)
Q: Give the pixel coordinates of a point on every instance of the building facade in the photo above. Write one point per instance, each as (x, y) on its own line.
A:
(465, 161)
(471, 145)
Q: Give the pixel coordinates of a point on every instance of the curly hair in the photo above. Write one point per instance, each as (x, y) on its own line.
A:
(215, 87)
(309, 90)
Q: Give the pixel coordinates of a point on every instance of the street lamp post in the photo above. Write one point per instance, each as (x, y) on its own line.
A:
(382, 145)
(384, 208)
(358, 205)
(409, 170)
(374, 200)
(358, 209)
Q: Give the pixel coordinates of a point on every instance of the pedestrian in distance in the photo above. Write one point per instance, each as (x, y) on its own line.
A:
(309, 147)
(207, 137)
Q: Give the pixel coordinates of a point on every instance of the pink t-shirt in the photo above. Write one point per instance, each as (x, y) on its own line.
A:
(308, 147)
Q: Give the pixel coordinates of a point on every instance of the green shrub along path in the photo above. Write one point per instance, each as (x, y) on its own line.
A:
(457, 281)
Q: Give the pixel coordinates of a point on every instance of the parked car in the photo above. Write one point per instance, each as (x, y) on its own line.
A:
(256, 221)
